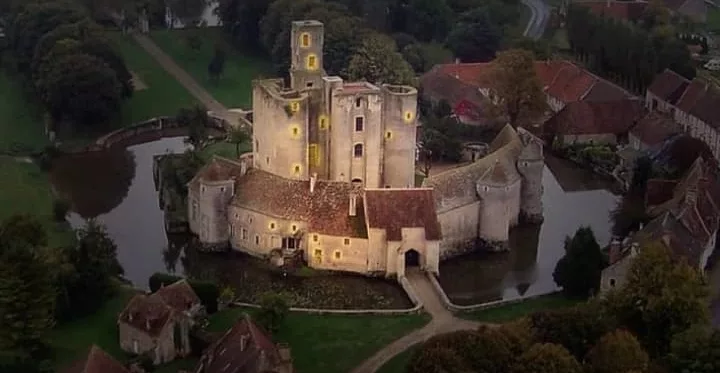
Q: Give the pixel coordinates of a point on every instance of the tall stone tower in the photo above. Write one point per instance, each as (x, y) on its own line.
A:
(306, 60)
(531, 165)
(400, 128)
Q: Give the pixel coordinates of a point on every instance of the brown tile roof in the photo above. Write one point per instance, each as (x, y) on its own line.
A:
(606, 91)
(245, 348)
(707, 106)
(96, 361)
(622, 10)
(683, 150)
(694, 91)
(585, 118)
(326, 209)
(218, 169)
(658, 191)
(147, 313)
(179, 295)
(394, 209)
(457, 187)
(669, 231)
(668, 86)
(441, 83)
(570, 83)
(655, 128)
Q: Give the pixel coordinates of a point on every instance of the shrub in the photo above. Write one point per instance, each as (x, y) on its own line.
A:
(207, 291)
(60, 209)
(273, 310)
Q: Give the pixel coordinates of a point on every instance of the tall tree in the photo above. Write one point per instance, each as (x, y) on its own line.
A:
(239, 135)
(696, 350)
(436, 360)
(475, 42)
(241, 18)
(660, 298)
(196, 120)
(578, 271)
(516, 89)
(428, 19)
(547, 358)
(498, 351)
(26, 296)
(378, 61)
(617, 352)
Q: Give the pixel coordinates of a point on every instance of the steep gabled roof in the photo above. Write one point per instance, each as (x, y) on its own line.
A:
(668, 86)
(147, 313)
(96, 361)
(591, 118)
(179, 295)
(394, 209)
(655, 128)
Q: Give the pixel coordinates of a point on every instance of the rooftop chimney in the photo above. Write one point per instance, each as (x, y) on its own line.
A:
(313, 180)
(353, 204)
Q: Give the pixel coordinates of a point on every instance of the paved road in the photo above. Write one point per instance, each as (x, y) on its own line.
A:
(539, 16)
(442, 321)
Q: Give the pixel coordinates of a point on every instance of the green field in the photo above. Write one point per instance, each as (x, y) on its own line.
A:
(163, 95)
(21, 123)
(515, 311)
(234, 89)
(398, 364)
(331, 343)
(713, 20)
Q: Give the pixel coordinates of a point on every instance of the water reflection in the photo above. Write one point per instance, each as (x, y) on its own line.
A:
(95, 183)
(572, 198)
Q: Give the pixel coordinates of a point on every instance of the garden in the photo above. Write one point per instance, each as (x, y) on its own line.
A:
(194, 49)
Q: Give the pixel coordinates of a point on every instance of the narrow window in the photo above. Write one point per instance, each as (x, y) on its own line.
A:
(222, 189)
(359, 124)
(294, 228)
(297, 169)
(267, 160)
(272, 225)
(323, 123)
(257, 240)
(295, 131)
(312, 62)
(317, 256)
(346, 241)
(358, 102)
(358, 151)
(315, 238)
(305, 40)
(257, 146)
(338, 254)
(388, 135)
(244, 234)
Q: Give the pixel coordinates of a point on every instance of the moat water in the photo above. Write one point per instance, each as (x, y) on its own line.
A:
(116, 187)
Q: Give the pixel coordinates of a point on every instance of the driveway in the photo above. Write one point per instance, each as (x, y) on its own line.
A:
(539, 16)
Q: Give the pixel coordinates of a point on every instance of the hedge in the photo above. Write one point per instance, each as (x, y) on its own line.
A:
(207, 291)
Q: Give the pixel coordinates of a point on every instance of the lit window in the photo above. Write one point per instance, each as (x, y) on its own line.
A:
(295, 131)
(312, 62)
(315, 238)
(294, 106)
(358, 150)
(408, 116)
(294, 228)
(337, 254)
(359, 124)
(323, 123)
(346, 241)
(317, 256)
(272, 225)
(305, 40)
(296, 169)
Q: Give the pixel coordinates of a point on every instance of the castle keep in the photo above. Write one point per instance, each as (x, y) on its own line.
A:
(331, 176)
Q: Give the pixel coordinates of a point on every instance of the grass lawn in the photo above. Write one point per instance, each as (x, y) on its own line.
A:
(399, 363)
(515, 311)
(713, 20)
(21, 123)
(331, 343)
(25, 189)
(234, 89)
(224, 149)
(72, 340)
(163, 95)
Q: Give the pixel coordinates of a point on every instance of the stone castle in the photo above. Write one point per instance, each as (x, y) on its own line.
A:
(332, 176)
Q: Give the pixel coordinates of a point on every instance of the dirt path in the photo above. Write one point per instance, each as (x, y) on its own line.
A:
(182, 76)
(442, 321)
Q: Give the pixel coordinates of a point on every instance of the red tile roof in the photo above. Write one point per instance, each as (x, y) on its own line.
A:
(655, 128)
(606, 91)
(622, 10)
(570, 83)
(394, 209)
(245, 348)
(97, 361)
(591, 118)
(147, 313)
(179, 295)
(668, 86)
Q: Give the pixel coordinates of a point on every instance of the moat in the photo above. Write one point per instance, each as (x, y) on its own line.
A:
(116, 187)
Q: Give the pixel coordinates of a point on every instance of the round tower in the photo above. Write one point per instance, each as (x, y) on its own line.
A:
(531, 165)
(499, 192)
(399, 136)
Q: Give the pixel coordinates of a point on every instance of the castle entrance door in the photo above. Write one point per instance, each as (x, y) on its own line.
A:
(412, 258)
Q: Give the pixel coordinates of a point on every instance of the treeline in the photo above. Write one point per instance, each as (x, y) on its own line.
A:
(70, 64)
(377, 39)
(627, 53)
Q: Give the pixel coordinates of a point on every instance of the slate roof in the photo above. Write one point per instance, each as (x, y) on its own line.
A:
(394, 209)
(621, 10)
(591, 118)
(241, 349)
(457, 187)
(326, 209)
(96, 361)
(669, 86)
(654, 128)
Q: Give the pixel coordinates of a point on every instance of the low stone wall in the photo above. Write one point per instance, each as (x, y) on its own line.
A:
(474, 307)
(409, 290)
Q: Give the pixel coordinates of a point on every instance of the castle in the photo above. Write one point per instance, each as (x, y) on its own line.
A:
(332, 175)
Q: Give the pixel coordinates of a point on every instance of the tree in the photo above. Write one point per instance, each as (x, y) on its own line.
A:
(428, 19)
(497, 350)
(273, 311)
(618, 352)
(378, 61)
(241, 18)
(436, 360)
(547, 358)
(577, 328)
(196, 120)
(661, 297)
(696, 350)
(239, 135)
(578, 272)
(60, 209)
(217, 64)
(81, 88)
(475, 41)
(26, 296)
(516, 89)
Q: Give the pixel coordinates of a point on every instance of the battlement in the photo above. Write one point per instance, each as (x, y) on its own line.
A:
(277, 89)
(400, 90)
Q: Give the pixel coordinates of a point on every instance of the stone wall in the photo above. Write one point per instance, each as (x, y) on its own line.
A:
(499, 210)
(459, 228)
(337, 253)
(400, 133)
(258, 234)
(160, 348)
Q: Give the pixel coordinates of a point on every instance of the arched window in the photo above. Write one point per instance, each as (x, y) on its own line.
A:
(358, 150)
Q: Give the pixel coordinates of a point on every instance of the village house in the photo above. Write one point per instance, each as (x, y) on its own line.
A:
(685, 216)
(562, 81)
(596, 122)
(96, 361)
(158, 325)
(652, 130)
(331, 178)
(693, 104)
(245, 348)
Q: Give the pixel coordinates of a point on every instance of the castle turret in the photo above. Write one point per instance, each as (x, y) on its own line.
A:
(499, 192)
(531, 165)
(306, 54)
(399, 136)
